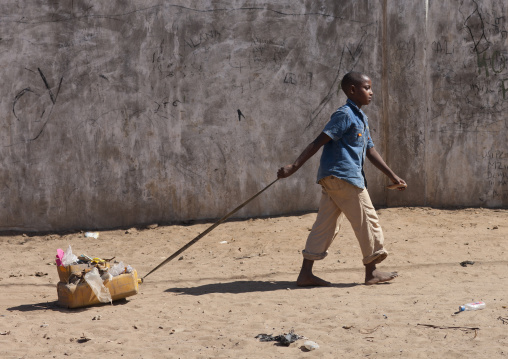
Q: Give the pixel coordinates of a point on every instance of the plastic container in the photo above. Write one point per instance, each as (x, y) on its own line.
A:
(472, 306)
(81, 295)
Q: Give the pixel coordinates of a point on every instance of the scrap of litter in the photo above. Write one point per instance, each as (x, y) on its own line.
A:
(465, 329)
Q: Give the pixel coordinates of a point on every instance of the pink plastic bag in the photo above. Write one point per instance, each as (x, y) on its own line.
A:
(59, 255)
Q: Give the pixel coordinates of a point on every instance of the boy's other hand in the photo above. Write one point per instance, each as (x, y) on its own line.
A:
(286, 171)
(397, 180)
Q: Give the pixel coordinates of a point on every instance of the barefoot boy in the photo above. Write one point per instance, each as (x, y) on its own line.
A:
(346, 140)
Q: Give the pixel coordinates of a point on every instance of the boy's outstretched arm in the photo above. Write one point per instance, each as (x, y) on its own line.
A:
(377, 161)
(307, 153)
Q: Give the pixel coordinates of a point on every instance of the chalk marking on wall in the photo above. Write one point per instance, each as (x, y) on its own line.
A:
(482, 34)
(47, 86)
(73, 17)
(240, 115)
(328, 96)
(355, 55)
(17, 97)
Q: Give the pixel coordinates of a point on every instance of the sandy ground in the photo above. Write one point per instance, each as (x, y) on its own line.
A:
(214, 300)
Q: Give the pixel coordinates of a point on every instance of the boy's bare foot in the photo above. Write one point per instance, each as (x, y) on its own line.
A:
(311, 281)
(374, 276)
(307, 279)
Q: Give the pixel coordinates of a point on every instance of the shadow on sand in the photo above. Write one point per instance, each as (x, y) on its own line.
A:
(54, 306)
(248, 286)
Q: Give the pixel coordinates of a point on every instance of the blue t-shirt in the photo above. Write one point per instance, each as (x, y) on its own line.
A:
(343, 156)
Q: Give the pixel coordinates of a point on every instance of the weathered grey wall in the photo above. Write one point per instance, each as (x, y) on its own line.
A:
(467, 123)
(404, 97)
(118, 113)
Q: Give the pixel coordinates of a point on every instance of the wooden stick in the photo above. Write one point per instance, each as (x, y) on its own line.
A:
(465, 329)
(208, 230)
(446, 327)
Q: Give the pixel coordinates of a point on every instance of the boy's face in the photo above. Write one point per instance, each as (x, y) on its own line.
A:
(361, 94)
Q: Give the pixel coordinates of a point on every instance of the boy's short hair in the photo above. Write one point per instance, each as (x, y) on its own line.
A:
(352, 78)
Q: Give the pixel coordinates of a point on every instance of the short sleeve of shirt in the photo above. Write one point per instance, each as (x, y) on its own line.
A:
(339, 123)
(370, 144)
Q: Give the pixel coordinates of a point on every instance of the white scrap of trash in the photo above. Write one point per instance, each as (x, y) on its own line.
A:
(310, 345)
(92, 235)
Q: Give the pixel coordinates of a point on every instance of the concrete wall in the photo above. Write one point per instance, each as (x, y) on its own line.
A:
(467, 124)
(125, 112)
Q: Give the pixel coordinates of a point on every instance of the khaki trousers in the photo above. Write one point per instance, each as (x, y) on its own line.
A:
(340, 198)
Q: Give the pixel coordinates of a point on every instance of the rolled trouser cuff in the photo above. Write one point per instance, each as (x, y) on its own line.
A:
(314, 256)
(376, 257)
